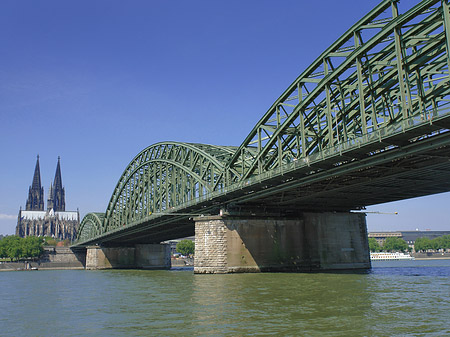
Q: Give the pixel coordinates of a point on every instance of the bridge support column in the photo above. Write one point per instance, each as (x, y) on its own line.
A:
(141, 256)
(312, 242)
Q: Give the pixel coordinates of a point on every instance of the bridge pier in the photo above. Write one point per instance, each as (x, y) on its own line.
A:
(312, 242)
(140, 256)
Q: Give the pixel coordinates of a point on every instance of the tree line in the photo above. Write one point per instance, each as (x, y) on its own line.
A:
(424, 244)
(390, 245)
(394, 244)
(16, 248)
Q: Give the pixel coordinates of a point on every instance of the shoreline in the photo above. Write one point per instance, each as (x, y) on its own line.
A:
(34, 265)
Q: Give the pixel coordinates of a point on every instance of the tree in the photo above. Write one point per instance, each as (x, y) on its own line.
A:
(395, 244)
(16, 247)
(32, 247)
(446, 241)
(186, 247)
(422, 244)
(374, 246)
(436, 243)
(3, 248)
(13, 246)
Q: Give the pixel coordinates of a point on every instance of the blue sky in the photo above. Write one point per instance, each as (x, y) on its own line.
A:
(97, 81)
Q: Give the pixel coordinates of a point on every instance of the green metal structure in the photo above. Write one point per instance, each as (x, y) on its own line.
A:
(385, 69)
(163, 176)
(91, 226)
(371, 109)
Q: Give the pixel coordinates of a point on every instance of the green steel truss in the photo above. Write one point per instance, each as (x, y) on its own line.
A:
(164, 176)
(91, 226)
(388, 74)
(386, 68)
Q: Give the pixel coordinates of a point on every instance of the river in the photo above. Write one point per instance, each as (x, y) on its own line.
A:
(398, 298)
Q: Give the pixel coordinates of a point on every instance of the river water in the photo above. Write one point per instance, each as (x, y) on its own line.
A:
(410, 298)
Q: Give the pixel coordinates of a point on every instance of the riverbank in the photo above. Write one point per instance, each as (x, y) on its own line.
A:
(61, 258)
(54, 258)
(431, 256)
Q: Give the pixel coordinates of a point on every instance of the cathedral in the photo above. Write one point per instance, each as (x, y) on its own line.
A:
(55, 222)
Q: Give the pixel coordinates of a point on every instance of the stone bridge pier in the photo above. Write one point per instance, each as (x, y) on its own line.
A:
(139, 256)
(311, 242)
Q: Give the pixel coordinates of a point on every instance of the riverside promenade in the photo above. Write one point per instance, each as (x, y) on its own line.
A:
(53, 258)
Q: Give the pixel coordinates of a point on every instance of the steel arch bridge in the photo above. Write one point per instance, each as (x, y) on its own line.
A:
(367, 122)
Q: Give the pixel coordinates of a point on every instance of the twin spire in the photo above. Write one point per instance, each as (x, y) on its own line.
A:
(56, 198)
(35, 201)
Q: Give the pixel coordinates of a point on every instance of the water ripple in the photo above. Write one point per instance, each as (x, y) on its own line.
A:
(391, 300)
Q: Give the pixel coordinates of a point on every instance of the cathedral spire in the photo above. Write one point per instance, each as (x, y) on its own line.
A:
(36, 184)
(57, 183)
(35, 201)
(56, 198)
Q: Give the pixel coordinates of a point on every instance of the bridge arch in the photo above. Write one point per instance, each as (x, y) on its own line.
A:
(91, 226)
(164, 176)
(386, 69)
(386, 75)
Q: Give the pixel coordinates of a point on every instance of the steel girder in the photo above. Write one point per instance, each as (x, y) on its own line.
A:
(384, 83)
(164, 176)
(387, 68)
(91, 226)
(158, 179)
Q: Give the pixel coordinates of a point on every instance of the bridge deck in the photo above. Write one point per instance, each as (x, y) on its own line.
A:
(417, 169)
(366, 123)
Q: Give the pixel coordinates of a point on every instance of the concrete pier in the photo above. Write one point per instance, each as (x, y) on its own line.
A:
(312, 242)
(140, 256)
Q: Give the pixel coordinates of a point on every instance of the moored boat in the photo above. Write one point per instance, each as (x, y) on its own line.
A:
(385, 256)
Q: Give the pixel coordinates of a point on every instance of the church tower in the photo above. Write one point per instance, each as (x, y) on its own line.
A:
(56, 198)
(35, 201)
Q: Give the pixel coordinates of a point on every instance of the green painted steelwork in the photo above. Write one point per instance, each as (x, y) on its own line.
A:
(381, 90)
(91, 226)
(164, 176)
(384, 69)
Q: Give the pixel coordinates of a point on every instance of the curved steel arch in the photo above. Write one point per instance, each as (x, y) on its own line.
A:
(388, 69)
(91, 226)
(164, 176)
(385, 69)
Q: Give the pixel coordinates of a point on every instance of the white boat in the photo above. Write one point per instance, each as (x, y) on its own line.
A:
(383, 256)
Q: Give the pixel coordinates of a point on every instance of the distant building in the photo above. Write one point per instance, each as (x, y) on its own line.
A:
(409, 236)
(55, 221)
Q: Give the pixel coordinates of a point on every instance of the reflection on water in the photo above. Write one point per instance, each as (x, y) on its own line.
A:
(395, 298)
(264, 304)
